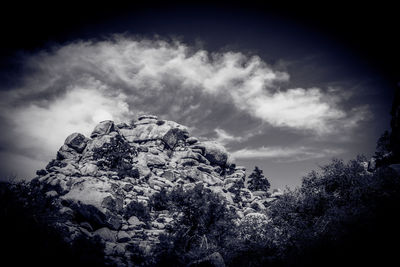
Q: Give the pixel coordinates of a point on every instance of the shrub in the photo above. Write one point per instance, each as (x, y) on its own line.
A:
(253, 228)
(117, 155)
(340, 206)
(137, 209)
(205, 225)
(160, 200)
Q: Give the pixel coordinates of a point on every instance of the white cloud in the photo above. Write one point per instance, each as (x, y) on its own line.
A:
(146, 69)
(71, 87)
(286, 154)
(38, 132)
(224, 137)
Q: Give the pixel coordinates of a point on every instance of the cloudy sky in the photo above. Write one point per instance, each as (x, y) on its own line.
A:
(277, 92)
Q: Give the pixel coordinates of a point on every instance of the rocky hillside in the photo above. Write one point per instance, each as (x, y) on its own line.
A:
(108, 187)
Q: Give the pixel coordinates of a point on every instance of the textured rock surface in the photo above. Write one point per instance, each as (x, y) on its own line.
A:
(95, 181)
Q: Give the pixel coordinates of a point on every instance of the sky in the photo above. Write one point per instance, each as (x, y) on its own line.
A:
(278, 91)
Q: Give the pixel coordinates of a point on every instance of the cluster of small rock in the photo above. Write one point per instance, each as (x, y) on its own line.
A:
(161, 155)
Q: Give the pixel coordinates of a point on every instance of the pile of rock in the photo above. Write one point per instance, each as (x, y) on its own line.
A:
(93, 180)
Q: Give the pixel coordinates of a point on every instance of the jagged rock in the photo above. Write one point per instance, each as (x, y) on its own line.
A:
(94, 200)
(76, 141)
(103, 128)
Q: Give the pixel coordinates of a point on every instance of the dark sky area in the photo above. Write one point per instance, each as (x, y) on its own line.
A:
(307, 82)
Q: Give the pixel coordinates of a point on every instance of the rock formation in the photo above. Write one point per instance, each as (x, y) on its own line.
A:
(93, 181)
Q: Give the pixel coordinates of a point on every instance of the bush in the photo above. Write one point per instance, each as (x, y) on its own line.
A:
(160, 200)
(117, 156)
(204, 225)
(137, 209)
(334, 212)
(253, 228)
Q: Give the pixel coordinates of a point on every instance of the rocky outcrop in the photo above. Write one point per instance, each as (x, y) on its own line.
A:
(98, 182)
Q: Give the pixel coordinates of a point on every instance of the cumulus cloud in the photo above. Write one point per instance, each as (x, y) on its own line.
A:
(71, 87)
(285, 154)
(224, 137)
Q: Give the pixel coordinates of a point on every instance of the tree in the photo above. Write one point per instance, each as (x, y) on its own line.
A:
(257, 181)
(384, 151)
(340, 211)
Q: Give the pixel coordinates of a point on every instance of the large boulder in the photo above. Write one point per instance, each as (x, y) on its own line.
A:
(106, 234)
(66, 152)
(76, 141)
(215, 152)
(103, 128)
(172, 137)
(94, 144)
(95, 200)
